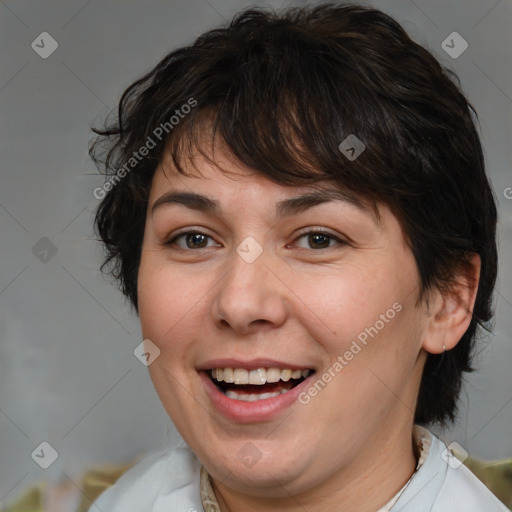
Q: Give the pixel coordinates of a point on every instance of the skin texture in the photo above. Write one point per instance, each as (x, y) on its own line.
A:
(350, 447)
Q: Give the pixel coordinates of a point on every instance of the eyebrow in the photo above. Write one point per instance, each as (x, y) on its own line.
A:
(284, 208)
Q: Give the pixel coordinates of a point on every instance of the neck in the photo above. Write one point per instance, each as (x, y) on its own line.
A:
(383, 467)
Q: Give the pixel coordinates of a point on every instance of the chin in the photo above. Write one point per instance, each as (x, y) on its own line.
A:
(256, 469)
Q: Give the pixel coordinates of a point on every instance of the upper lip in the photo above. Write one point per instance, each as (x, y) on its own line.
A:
(253, 364)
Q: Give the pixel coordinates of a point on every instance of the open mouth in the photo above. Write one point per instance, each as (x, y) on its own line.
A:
(259, 384)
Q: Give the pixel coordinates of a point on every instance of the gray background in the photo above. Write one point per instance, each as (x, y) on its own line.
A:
(68, 375)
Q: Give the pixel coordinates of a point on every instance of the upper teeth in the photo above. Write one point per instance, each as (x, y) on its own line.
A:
(259, 376)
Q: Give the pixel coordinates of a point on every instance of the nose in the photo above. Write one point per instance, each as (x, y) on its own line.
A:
(251, 297)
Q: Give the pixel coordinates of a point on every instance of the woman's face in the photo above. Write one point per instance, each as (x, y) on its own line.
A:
(307, 296)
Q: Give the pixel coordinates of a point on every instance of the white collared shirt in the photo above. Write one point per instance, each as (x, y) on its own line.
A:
(171, 481)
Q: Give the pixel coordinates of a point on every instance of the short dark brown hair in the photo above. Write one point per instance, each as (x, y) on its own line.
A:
(283, 90)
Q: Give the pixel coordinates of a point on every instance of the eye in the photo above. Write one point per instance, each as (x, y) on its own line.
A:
(199, 240)
(319, 240)
(191, 240)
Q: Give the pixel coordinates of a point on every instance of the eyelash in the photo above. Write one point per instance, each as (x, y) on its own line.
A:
(172, 241)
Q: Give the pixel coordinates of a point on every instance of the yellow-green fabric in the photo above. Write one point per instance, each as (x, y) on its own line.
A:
(31, 501)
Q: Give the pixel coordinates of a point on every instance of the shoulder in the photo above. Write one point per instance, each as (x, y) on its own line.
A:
(160, 482)
(463, 491)
(444, 484)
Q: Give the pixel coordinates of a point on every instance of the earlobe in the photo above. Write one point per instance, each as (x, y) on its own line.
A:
(451, 312)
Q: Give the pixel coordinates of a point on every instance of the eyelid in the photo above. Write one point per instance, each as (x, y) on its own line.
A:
(316, 229)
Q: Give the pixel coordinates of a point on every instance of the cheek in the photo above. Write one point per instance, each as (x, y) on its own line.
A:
(339, 305)
(174, 310)
(164, 296)
(366, 315)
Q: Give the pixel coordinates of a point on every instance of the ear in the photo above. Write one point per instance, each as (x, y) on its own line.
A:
(450, 312)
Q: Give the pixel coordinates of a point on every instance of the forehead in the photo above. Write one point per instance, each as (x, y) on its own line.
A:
(217, 179)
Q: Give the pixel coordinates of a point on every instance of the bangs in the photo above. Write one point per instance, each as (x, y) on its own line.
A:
(285, 160)
(260, 108)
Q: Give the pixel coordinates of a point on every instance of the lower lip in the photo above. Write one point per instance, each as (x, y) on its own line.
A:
(251, 412)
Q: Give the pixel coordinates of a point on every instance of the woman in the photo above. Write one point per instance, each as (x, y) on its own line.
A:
(297, 208)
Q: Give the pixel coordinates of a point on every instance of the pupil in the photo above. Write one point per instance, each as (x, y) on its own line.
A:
(319, 240)
(195, 240)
